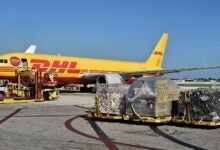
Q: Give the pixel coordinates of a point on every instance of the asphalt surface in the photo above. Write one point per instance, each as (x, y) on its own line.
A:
(62, 125)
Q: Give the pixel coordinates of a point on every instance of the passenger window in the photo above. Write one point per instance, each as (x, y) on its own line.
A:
(3, 61)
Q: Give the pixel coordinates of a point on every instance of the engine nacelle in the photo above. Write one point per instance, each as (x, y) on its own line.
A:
(110, 79)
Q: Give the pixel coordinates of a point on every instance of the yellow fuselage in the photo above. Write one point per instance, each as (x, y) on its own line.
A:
(67, 67)
(71, 69)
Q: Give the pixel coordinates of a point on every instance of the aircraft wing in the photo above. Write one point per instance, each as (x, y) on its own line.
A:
(91, 76)
(127, 75)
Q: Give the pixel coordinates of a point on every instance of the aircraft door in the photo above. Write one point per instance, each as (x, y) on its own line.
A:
(24, 64)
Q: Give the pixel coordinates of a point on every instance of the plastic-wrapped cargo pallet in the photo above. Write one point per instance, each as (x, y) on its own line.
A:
(152, 97)
(111, 98)
(200, 104)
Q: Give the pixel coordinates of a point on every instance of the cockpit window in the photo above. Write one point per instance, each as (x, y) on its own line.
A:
(3, 61)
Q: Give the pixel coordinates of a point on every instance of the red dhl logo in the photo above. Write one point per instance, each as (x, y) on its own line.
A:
(57, 66)
(158, 53)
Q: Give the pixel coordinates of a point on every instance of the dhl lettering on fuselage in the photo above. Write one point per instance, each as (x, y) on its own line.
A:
(56, 66)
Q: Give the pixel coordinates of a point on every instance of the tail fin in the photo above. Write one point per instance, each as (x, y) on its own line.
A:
(157, 55)
(31, 49)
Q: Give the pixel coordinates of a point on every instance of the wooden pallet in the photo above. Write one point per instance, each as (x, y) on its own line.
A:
(135, 117)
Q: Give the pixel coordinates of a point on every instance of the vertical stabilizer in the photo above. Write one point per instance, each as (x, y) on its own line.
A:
(31, 49)
(157, 55)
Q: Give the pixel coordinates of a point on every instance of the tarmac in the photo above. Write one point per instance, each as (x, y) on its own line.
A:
(62, 125)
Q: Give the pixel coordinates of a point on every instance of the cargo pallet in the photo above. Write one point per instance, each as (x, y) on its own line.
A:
(187, 118)
(156, 120)
(135, 117)
(96, 115)
(196, 122)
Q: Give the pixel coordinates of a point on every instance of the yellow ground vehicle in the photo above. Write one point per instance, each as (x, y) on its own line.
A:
(30, 86)
(38, 87)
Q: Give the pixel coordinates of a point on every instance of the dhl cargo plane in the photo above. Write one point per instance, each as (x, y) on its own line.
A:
(86, 70)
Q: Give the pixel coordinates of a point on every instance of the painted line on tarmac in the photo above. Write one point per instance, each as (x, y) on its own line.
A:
(161, 133)
(82, 107)
(69, 126)
(106, 140)
(9, 116)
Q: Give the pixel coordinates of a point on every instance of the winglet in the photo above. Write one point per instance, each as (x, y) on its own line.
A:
(157, 55)
(31, 49)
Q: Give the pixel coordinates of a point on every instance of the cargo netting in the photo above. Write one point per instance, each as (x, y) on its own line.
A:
(200, 104)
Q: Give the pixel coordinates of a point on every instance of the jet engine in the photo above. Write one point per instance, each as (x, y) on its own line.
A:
(110, 79)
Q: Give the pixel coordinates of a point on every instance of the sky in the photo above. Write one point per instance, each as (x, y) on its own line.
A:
(116, 29)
